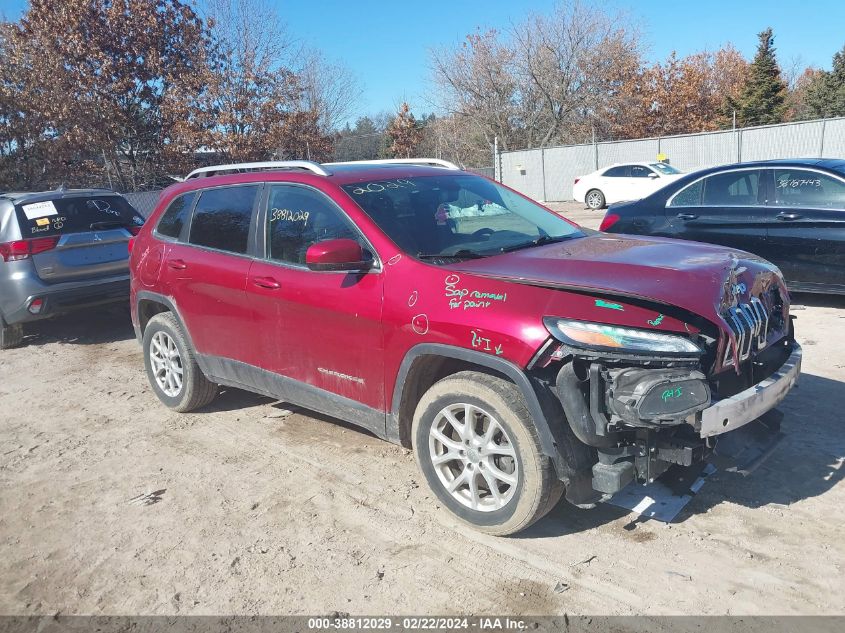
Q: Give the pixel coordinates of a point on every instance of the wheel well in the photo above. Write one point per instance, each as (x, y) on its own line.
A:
(147, 309)
(426, 371)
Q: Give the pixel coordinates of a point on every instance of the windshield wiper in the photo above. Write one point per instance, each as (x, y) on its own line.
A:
(464, 253)
(543, 239)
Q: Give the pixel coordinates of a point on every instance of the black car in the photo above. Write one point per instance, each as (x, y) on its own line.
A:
(791, 212)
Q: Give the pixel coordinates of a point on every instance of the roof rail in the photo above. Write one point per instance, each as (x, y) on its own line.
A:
(260, 166)
(402, 161)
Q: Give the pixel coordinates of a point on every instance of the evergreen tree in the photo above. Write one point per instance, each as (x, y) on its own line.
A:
(825, 95)
(763, 98)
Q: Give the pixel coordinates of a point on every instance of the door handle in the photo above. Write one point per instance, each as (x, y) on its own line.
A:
(266, 282)
(177, 264)
(789, 216)
(686, 216)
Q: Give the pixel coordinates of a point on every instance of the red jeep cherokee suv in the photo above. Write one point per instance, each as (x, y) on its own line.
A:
(520, 356)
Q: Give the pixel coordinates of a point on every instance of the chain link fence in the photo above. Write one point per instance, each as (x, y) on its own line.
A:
(549, 173)
(143, 201)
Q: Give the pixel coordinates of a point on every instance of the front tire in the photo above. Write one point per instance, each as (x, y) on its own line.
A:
(490, 473)
(171, 367)
(595, 199)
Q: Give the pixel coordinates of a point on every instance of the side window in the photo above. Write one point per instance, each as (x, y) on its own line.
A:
(800, 188)
(638, 171)
(222, 218)
(174, 218)
(298, 217)
(620, 171)
(689, 197)
(733, 188)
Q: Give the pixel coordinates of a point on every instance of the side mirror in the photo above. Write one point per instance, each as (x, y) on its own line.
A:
(653, 175)
(340, 254)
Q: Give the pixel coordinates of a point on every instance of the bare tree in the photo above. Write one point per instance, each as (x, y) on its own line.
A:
(251, 91)
(328, 88)
(477, 85)
(569, 66)
(544, 80)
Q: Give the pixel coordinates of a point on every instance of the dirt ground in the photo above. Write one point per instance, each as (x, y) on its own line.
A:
(112, 504)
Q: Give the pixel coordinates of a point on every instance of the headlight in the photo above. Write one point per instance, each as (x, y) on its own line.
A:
(611, 338)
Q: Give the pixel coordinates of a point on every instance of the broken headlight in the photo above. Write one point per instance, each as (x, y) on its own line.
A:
(601, 337)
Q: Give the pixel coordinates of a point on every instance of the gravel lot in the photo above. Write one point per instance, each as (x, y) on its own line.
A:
(112, 504)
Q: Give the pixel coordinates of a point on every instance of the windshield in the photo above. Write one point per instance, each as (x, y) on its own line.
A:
(663, 168)
(457, 216)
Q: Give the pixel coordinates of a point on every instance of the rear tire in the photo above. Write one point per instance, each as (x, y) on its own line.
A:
(172, 370)
(474, 460)
(10, 335)
(595, 199)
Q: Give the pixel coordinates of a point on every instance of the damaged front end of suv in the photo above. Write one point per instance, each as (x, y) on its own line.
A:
(647, 400)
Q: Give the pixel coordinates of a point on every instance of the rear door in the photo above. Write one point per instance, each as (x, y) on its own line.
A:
(91, 235)
(807, 226)
(206, 273)
(726, 208)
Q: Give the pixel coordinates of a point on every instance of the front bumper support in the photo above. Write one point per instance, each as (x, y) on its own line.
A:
(748, 405)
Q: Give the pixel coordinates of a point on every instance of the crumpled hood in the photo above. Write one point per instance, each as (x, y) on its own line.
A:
(701, 278)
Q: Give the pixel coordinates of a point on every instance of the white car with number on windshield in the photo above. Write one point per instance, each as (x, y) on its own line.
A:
(626, 181)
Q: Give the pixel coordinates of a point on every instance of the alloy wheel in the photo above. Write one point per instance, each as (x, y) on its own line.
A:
(166, 364)
(473, 457)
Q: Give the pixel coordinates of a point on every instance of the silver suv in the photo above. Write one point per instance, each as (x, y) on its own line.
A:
(61, 250)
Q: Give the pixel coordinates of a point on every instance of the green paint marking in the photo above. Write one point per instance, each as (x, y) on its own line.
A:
(600, 303)
(672, 393)
(656, 321)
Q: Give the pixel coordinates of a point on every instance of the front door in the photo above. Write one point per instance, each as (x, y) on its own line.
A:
(807, 227)
(643, 182)
(321, 329)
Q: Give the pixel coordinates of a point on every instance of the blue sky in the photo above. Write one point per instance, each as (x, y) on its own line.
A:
(386, 43)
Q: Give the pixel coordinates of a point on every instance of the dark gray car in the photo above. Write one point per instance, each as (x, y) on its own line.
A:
(61, 250)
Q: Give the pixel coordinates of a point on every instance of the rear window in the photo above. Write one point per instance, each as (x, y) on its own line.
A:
(76, 215)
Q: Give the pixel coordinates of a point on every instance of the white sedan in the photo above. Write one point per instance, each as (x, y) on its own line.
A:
(628, 181)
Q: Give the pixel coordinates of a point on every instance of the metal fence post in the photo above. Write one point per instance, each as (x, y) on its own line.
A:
(821, 142)
(496, 170)
(543, 169)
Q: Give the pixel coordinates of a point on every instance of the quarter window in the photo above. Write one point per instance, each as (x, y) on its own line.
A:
(222, 218)
(801, 188)
(174, 218)
(689, 197)
(298, 217)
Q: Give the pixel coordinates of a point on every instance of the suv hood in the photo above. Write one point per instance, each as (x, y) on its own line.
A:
(700, 278)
